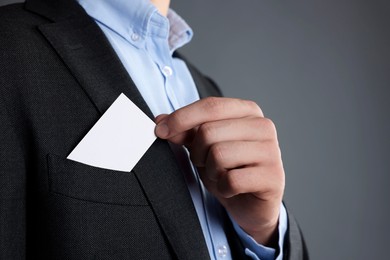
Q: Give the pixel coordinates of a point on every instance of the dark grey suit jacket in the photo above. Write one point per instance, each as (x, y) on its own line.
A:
(58, 75)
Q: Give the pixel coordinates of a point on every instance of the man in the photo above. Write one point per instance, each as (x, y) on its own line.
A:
(63, 63)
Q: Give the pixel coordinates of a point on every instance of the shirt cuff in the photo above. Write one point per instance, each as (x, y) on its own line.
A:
(257, 251)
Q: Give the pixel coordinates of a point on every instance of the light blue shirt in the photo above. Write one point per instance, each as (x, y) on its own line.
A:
(144, 41)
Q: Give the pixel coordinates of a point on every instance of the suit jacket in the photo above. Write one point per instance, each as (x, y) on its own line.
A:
(58, 75)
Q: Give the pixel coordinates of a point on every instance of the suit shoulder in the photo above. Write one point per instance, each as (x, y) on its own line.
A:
(21, 48)
(18, 31)
(11, 13)
(15, 17)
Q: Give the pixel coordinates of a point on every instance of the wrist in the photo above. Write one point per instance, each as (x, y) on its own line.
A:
(267, 234)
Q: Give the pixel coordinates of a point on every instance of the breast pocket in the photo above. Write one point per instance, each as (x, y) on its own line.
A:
(84, 182)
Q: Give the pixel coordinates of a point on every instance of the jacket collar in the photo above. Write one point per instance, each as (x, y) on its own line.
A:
(54, 10)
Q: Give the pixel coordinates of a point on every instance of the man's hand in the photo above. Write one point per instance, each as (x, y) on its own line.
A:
(238, 158)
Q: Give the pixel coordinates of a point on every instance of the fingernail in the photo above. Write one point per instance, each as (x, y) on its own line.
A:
(162, 130)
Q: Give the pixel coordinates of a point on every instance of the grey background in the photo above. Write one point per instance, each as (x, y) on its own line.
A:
(320, 70)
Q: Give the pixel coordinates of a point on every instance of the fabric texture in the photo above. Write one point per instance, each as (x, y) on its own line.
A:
(53, 89)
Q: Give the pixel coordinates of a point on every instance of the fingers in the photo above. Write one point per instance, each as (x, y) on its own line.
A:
(237, 155)
(225, 156)
(238, 167)
(202, 111)
(184, 138)
(159, 118)
(245, 129)
(260, 181)
(232, 144)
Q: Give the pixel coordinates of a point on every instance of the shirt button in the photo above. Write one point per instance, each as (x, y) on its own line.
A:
(167, 71)
(222, 251)
(135, 37)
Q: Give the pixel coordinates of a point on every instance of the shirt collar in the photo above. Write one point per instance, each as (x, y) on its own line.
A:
(180, 32)
(136, 20)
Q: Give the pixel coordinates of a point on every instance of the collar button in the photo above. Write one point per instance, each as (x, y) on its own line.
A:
(167, 71)
(135, 37)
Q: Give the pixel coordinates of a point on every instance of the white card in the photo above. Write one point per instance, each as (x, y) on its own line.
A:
(118, 140)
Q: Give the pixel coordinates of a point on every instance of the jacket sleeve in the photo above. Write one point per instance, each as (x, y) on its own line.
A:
(12, 191)
(294, 244)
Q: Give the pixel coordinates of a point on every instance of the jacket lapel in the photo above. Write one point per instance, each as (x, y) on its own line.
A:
(92, 61)
(88, 55)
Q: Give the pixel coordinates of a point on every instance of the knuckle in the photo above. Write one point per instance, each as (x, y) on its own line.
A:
(280, 180)
(232, 184)
(206, 133)
(269, 126)
(213, 105)
(258, 122)
(252, 104)
(275, 150)
(217, 153)
(178, 120)
(274, 154)
(279, 153)
(277, 179)
(255, 107)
